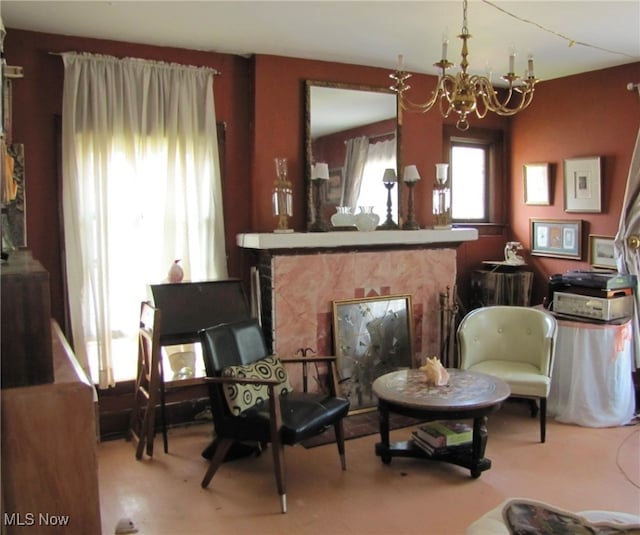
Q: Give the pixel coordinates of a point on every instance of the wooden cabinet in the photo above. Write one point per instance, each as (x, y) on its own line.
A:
(49, 453)
(26, 322)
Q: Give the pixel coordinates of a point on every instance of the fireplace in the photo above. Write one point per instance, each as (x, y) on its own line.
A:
(301, 275)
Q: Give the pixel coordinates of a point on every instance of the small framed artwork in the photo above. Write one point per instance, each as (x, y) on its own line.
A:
(582, 188)
(602, 252)
(536, 183)
(372, 336)
(557, 238)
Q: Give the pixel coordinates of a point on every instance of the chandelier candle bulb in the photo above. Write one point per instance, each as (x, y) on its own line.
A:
(530, 66)
(445, 44)
(512, 61)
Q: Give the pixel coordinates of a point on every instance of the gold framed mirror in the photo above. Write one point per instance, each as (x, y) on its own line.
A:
(355, 130)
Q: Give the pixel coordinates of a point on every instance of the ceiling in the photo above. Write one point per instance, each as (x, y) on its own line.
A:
(565, 37)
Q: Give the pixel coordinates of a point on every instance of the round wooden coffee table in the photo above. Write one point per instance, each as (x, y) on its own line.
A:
(469, 395)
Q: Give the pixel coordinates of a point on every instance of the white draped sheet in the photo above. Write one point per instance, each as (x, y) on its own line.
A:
(591, 383)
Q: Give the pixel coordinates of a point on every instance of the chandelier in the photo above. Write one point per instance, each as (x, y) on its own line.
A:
(464, 93)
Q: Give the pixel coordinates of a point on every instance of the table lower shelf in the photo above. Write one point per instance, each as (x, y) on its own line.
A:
(460, 457)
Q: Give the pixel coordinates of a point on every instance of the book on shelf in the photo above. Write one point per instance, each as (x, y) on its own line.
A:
(443, 433)
(432, 450)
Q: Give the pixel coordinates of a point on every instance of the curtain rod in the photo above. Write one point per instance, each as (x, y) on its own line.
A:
(216, 72)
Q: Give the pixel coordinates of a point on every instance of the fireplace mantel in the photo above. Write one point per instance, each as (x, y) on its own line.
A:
(339, 239)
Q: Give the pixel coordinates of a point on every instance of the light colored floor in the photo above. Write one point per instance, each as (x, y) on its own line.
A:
(578, 468)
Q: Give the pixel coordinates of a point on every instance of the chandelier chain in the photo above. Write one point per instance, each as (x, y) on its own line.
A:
(465, 30)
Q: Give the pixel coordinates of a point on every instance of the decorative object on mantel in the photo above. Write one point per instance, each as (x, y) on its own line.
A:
(465, 93)
(176, 273)
(410, 176)
(442, 198)
(282, 196)
(344, 217)
(367, 220)
(389, 180)
(511, 255)
(319, 178)
(435, 373)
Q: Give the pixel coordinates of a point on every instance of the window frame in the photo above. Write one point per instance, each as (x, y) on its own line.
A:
(496, 195)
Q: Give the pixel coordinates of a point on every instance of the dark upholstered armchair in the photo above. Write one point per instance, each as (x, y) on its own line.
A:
(252, 400)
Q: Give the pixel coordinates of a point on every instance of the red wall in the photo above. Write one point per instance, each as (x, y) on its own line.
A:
(261, 100)
(591, 114)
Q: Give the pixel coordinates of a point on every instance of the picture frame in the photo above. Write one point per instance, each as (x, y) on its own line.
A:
(556, 238)
(582, 185)
(602, 251)
(372, 336)
(536, 184)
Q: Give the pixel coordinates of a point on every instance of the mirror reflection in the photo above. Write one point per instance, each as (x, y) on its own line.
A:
(354, 130)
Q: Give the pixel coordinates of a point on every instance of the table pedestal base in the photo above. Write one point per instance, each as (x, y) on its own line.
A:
(472, 457)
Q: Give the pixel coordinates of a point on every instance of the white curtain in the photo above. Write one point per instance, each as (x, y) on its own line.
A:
(381, 155)
(141, 188)
(354, 162)
(627, 258)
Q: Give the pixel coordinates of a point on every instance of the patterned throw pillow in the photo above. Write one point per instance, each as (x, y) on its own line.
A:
(243, 397)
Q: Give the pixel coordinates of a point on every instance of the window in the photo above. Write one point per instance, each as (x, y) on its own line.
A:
(140, 188)
(476, 175)
(381, 156)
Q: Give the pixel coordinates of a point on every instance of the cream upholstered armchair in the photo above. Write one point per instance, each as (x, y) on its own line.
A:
(513, 343)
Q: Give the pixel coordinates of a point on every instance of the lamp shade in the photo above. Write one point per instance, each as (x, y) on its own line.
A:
(389, 175)
(441, 171)
(320, 170)
(410, 174)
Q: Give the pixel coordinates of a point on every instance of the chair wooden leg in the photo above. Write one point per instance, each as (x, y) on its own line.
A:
(278, 466)
(533, 407)
(163, 410)
(339, 431)
(150, 423)
(543, 419)
(218, 457)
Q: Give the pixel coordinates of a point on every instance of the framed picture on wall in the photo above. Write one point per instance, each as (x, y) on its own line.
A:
(557, 238)
(602, 252)
(582, 188)
(536, 184)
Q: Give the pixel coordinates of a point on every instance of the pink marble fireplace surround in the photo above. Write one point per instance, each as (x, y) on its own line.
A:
(304, 281)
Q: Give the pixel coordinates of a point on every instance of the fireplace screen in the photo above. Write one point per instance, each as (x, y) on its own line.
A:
(371, 337)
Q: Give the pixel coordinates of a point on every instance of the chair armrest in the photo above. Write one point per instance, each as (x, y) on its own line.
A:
(241, 381)
(331, 362)
(308, 359)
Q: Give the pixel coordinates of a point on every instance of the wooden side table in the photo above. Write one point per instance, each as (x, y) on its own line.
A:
(469, 395)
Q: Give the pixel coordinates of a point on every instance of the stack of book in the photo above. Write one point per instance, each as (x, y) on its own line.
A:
(442, 436)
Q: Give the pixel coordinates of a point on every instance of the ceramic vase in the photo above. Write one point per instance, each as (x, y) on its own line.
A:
(367, 220)
(176, 274)
(343, 217)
